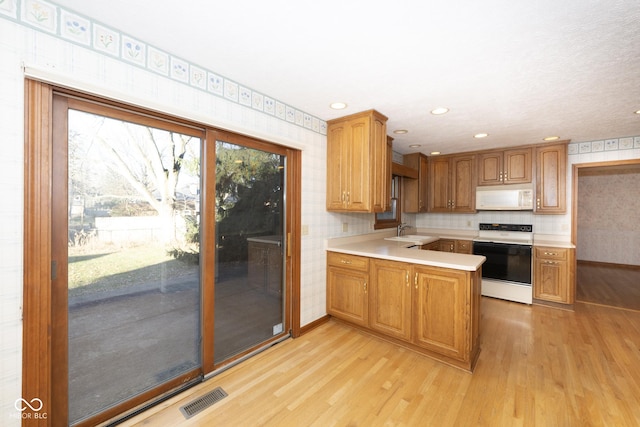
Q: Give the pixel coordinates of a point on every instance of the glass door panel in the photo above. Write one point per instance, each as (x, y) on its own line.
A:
(250, 244)
(133, 260)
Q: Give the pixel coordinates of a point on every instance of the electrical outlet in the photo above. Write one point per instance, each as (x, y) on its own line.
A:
(468, 223)
(345, 227)
(305, 229)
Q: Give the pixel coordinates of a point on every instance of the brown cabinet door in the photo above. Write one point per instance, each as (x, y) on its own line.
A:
(550, 280)
(416, 191)
(440, 314)
(423, 184)
(347, 295)
(359, 168)
(517, 166)
(490, 168)
(463, 189)
(551, 179)
(447, 245)
(439, 200)
(336, 163)
(390, 298)
(464, 246)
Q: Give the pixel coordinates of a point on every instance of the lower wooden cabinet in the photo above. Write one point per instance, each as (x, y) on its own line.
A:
(553, 270)
(347, 282)
(432, 310)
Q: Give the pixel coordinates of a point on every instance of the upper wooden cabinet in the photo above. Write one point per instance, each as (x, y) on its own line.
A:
(551, 179)
(452, 184)
(416, 191)
(505, 167)
(358, 163)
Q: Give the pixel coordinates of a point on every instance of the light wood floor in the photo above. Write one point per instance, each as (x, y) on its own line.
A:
(538, 366)
(608, 284)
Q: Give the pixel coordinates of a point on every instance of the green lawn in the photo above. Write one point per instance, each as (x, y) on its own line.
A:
(110, 269)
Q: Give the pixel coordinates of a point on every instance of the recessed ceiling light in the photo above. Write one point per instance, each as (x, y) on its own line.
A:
(435, 153)
(481, 135)
(338, 105)
(552, 138)
(400, 131)
(415, 146)
(637, 112)
(440, 110)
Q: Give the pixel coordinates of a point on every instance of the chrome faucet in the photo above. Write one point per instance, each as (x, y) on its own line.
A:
(401, 228)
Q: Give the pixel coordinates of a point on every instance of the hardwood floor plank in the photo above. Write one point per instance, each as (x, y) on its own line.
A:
(539, 366)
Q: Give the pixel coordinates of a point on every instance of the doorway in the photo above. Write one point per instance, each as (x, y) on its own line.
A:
(606, 233)
(128, 245)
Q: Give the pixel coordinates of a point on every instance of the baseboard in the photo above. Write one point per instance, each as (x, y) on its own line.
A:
(608, 264)
(310, 326)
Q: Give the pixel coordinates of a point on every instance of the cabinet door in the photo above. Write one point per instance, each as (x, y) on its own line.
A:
(416, 191)
(463, 189)
(447, 245)
(390, 298)
(358, 171)
(551, 179)
(490, 168)
(440, 316)
(347, 295)
(423, 184)
(550, 281)
(464, 246)
(439, 200)
(517, 166)
(336, 163)
(379, 167)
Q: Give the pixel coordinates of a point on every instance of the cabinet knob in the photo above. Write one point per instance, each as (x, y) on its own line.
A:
(365, 287)
(551, 253)
(345, 261)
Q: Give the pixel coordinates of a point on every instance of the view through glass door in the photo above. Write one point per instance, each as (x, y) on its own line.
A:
(250, 248)
(133, 219)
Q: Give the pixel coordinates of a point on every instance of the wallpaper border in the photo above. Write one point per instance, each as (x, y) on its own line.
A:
(80, 30)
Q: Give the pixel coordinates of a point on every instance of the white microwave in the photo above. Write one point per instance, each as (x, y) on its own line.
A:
(514, 197)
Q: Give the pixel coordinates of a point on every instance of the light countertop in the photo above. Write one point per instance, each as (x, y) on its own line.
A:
(378, 247)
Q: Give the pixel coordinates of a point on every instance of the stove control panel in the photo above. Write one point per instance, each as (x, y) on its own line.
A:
(525, 228)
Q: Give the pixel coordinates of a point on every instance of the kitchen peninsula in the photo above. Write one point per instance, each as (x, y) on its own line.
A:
(427, 301)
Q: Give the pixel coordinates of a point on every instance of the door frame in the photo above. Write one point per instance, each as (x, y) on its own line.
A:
(577, 167)
(39, 339)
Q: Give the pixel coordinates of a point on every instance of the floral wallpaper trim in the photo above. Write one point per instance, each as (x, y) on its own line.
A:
(69, 26)
(627, 143)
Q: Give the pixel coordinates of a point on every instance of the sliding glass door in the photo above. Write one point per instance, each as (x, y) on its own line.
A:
(250, 245)
(170, 255)
(131, 227)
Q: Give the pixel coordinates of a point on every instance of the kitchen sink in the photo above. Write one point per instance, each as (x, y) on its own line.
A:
(419, 239)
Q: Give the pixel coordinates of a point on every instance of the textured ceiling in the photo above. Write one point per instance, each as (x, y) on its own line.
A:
(517, 70)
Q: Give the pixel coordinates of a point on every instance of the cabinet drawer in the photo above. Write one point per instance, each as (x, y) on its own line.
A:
(551, 253)
(349, 261)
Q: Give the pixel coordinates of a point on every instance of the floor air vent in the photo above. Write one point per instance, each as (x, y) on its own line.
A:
(203, 402)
